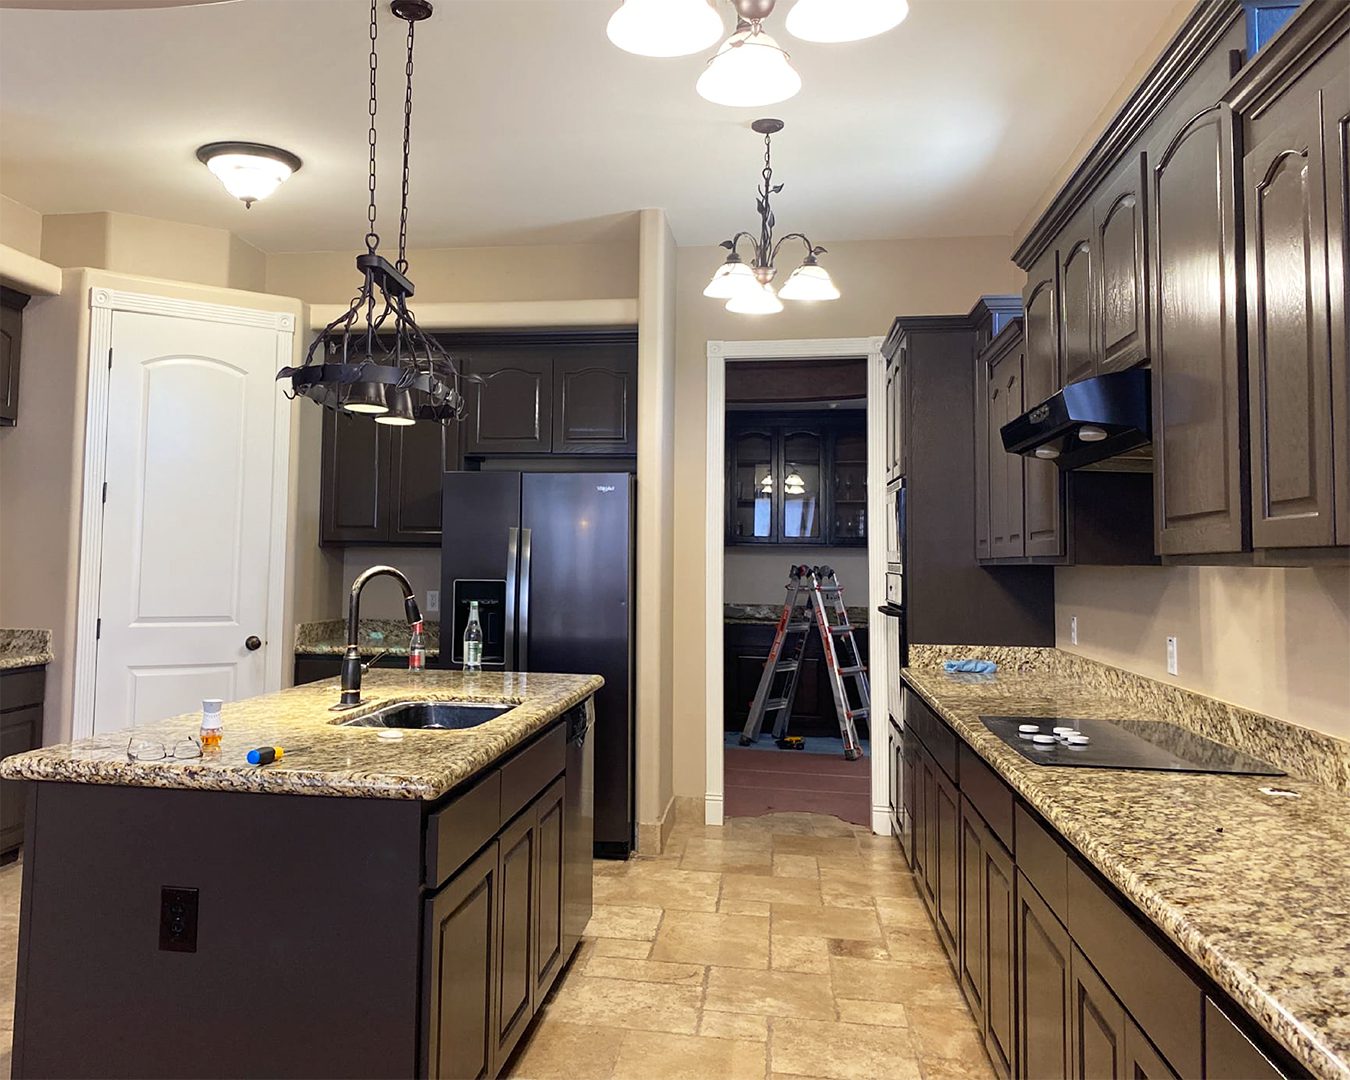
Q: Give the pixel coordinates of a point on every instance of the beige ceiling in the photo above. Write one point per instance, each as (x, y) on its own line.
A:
(531, 128)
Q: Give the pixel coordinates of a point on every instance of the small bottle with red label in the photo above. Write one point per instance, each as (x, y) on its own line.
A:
(417, 648)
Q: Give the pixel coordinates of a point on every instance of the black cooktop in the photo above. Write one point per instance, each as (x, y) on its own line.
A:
(1124, 744)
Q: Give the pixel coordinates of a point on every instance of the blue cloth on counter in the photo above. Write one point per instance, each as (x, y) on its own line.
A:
(974, 667)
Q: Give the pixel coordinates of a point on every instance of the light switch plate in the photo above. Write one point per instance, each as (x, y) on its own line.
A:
(1073, 629)
(433, 601)
(1171, 655)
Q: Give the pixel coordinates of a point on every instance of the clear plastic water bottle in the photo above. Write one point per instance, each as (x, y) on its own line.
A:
(417, 649)
(473, 640)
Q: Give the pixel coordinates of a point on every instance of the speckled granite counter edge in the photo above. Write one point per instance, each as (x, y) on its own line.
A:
(328, 637)
(20, 648)
(443, 761)
(1235, 979)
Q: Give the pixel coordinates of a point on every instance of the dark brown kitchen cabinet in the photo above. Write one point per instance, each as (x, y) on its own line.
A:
(595, 401)
(22, 691)
(1040, 328)
(945, 803)
(1079, 283)
(518, 880)
(510, 401)
(462, 944)
(970, 967)
(892, 420)
(1199, 381)
(1230, 1054)
(549, 954)
(1336, 140)
(381, 484)
(1097, 1025)
(1044, 988)
(1119, 227)
(896, 758)
(1142, 1060)
(12, 304)
(1006, 471)
(998, 901)
(1289, 353)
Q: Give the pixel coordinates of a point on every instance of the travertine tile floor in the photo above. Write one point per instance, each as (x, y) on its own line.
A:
(789, 945)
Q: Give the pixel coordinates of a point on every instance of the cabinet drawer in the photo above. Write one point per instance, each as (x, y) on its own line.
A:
(1044, 862)
(988, 794)
(529, 772)
(463, 826)
(938, 739)
(22, 688)
(1229, 1054)
(1149, 983)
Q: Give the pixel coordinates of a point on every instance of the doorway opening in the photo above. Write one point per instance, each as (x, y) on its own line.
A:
(793, 474)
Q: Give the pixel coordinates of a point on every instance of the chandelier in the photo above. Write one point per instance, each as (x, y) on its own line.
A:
(374, 359)
(748, 287)
(750, 68)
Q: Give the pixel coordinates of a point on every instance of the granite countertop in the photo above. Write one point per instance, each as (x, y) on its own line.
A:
(771, 613)
(24, 648)
(1254, 888)
(325, 759)
(328, 637)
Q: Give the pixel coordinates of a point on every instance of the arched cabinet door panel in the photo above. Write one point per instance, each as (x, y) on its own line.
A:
(1079, 271)
(595, 401)
(1043, 376)
(1120, 231)
(510, 402)
(1199, 379)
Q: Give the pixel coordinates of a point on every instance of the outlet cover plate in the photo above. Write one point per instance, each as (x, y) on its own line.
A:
(1073, 629)
(1171, 655)
(433, 601)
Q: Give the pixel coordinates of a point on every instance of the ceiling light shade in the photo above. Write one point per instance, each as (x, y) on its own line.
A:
(810, 281)
(833, 21)
(749, 69)
(758, 301)
(730, 279)
(400, 412)
(249, 171)
(664, 27)
(367, 399)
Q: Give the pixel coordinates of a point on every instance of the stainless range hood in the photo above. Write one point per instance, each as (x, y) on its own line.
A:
(1088, 423)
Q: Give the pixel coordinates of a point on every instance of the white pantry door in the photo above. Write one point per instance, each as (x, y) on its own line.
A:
(187, 517)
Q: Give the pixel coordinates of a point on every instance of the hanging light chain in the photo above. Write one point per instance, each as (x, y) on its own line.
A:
(372, 237)
(402, 263)
(766, 221)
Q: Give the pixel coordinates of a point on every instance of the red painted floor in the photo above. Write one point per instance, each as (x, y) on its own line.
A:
(759, 782)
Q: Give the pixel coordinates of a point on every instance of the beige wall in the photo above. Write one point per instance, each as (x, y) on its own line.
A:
(20, 227)
(555, 272)
(150, 247)
(1273, 640)
(879, 280)
(382, 600)
(758, 576)
(42, 473)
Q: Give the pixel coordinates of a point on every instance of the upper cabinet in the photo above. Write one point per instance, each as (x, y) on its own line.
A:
(796, 479)
(1119, 230)
(1041, 329)
(550, 399)
(895, 413)
(1079, 302)
(11, 336)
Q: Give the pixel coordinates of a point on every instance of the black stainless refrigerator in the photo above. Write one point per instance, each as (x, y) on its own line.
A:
(549, 558)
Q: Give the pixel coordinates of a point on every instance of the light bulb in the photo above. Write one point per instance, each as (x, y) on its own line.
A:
(810, 281)
(730, 279)
(750, 69)
(664, 27)
(1091, 433)
(760, 301)
(833, 21)
(400, 412)
(1047, 453)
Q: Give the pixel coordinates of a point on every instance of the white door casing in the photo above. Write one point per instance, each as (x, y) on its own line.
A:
(879, 658)
(185, 559)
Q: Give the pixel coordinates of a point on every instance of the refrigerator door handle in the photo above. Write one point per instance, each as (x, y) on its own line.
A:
(512, 577)
(524, 600)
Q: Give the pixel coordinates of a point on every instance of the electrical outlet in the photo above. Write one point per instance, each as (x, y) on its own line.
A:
(433, 601)
(1073, 629)
(177, 919)
(1171, 655)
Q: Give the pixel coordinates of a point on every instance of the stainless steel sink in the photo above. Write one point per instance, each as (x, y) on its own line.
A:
(430, 715)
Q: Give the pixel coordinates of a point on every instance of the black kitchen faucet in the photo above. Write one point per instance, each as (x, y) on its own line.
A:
(351, 659)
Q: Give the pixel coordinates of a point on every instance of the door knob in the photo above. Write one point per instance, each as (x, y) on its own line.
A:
(253, 643)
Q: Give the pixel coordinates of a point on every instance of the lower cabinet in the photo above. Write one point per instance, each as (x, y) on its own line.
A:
(21, 696)
(1096, 1024)
(494, 940)
(1142, 1061)
(1043, 983)
(947, 830)
(998, 901)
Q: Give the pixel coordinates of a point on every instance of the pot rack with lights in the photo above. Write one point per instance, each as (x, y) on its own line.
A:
(374, 359)
(748, 287)
(750, 68)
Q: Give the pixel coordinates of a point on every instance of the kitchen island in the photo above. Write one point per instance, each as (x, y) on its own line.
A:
(365, 906)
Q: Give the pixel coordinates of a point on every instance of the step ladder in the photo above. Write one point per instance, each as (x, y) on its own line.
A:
(815, 600)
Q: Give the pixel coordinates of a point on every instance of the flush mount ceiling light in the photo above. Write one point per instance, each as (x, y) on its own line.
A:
(748, 288)
(750, 68)
(374, 359)
(664, 27)
(834, 21)
(249, 171)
